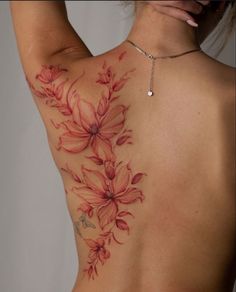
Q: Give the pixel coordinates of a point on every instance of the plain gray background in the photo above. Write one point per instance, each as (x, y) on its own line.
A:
(37, 249)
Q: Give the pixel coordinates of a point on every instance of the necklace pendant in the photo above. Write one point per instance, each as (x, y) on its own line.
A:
(150, 93)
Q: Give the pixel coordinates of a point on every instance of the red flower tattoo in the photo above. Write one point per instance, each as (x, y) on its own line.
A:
(89, 128)
(105, 193)
(52, 90)
(108, 79)
(50, 73)
(97, 253)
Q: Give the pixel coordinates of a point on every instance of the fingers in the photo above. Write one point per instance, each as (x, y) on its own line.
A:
(180, 9)
(191, 6)
(205, 2)
(178, 14)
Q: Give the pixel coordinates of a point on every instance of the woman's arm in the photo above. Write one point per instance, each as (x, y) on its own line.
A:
(44, 32)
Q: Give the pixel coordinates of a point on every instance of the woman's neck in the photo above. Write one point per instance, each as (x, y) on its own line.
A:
(159, 34)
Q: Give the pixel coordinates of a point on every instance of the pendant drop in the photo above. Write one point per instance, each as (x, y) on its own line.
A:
(150, 93)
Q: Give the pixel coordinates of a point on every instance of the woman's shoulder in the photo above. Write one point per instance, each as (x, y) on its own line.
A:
(211, 75)
(219, 77)
(226, 80)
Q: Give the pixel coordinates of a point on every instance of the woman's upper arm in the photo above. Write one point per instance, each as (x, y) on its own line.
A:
(44, 33)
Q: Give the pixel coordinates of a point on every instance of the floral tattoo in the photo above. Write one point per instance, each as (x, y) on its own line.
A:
(105, 192)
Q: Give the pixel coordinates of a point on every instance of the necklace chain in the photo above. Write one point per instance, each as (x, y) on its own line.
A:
(154, 58)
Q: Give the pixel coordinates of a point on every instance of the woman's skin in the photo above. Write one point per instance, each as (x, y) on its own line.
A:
(182, 10)
(149, 181)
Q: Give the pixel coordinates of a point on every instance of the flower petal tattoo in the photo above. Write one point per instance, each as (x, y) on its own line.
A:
(106, 191)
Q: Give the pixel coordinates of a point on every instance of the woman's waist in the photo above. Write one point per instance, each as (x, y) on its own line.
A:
(165, 268)
(157, 283)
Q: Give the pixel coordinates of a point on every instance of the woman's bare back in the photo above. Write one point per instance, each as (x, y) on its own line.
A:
(148, 180)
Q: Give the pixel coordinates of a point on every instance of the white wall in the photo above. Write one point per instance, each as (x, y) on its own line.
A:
(37, 250)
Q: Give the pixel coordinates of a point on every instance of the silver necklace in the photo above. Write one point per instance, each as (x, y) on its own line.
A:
(153, 59)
